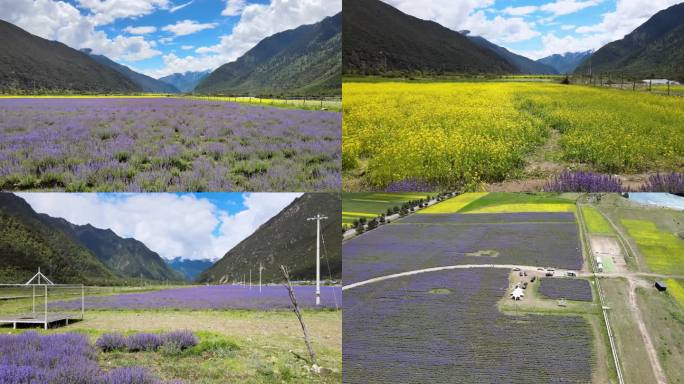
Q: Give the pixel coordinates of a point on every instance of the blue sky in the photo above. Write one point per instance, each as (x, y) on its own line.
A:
(188, 225)
(538, 28)
(161, 37)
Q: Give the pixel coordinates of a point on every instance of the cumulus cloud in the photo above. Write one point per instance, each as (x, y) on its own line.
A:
(257, 21)
(190, 226)
(626, 17)
(188, 27)
(106, 11)
(142, 30)
(62, 22)
(234, 7)
(470, 15)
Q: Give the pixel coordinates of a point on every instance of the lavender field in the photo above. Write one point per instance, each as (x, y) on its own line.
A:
(217, 297)
(401, 331)
(166, 144)
(426, 241)
(60, 358)
(570, 289)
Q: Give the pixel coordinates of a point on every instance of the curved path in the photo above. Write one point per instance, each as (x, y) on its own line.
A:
(435, 269)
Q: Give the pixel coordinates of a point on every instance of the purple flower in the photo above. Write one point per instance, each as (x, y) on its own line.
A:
(143, 342)
(111, 342)
(128, 375)
(180, 339)
(584, 182)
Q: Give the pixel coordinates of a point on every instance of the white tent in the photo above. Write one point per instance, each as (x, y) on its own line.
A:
(517, 293)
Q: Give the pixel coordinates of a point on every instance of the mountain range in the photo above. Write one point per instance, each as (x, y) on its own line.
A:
(69, 253)
(286, 239)
(190, 269)
(145, 83)
(654, 49)
(567, 62)
(522, 64)
(28, 62)
(380, 39)
(302, 61)
(185, 82)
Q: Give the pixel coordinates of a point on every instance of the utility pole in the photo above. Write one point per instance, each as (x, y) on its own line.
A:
(261, 268)
(318, 219)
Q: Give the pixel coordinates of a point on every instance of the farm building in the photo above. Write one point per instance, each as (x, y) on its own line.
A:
(661, 286)
(660, 81)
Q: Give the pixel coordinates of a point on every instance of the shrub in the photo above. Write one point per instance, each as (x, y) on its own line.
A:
(128, 375)
(143, 342)
(671, 183)
(111, 342)
(584, 182)
(181, 339)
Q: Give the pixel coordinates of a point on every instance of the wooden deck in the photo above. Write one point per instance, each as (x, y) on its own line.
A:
(38, 319)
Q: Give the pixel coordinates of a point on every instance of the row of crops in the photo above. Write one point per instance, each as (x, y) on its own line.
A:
(445, 327)
(457, 134)
(571, 289)
(166, 144)
(427, 240)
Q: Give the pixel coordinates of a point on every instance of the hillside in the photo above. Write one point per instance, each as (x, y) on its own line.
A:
(185, 82)
(287, 239)
(29, 63)
(565, 63)
(521, 64)
(28, 242)
(127, 258)
(379, 39)
(190, 269)
(146, 83)
(654, 49)
(301, 61)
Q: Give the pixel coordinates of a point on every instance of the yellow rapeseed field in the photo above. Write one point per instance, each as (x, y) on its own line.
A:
(455, 134)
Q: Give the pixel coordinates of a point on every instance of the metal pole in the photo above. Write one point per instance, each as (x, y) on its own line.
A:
(318, 219)
(46, 308)
(250, 278)
(318, 262)
(34, 300)
(261, 268)
(82, 301)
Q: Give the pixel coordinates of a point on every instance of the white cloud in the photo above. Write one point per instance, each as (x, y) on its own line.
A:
(234, 7)
(566, 7)
(62, 22)
(520, 11)
(188, 27)
(257, 22)
(142, 30)
(568, 27)
(179, 7)
(168, 224)
(627, 16)
(106, 11)
(470, 15)
(187, 47)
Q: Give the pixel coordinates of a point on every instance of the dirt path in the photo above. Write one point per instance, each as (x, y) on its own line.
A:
(650, 349)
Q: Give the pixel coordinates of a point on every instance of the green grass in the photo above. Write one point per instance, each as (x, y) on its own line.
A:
(502, 202)
(663, 251)
(236, 346)
(454, 204)
(676, 290)
(369, 205)
(596, 223)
